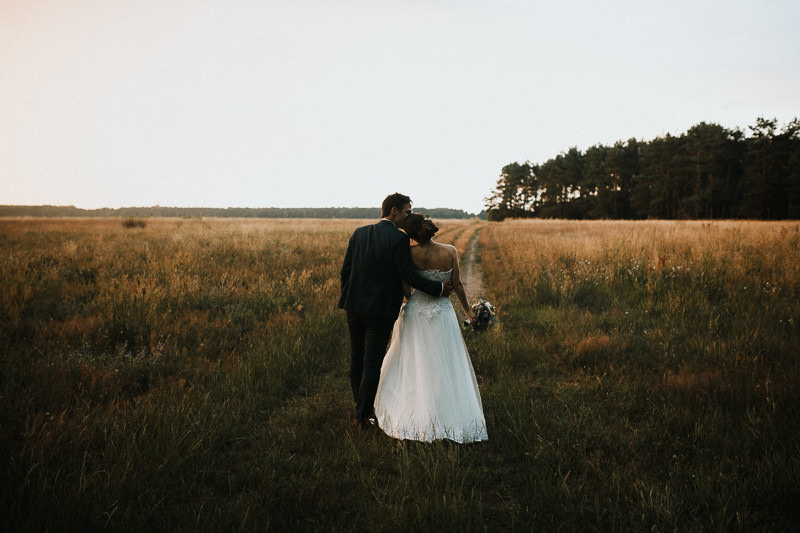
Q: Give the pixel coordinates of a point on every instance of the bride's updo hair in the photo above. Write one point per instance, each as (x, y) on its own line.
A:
(421, 228)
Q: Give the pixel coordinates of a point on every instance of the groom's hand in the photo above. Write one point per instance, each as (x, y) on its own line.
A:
(447, 288)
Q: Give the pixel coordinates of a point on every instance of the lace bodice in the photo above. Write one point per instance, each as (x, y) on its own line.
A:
(425, 304)
(436, 275)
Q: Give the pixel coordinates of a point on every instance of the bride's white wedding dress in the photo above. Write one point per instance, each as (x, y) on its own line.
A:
(428, 389)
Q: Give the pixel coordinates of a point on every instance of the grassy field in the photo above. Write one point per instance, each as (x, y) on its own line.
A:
(191, 375)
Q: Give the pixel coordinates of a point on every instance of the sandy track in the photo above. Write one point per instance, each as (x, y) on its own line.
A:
(471, 272)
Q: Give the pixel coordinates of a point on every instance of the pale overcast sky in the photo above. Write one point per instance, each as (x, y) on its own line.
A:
(303, 103)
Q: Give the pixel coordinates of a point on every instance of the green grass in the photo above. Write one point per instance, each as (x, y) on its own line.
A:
(192, 376)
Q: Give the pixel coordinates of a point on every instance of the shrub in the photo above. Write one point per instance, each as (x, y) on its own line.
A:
(133, 222)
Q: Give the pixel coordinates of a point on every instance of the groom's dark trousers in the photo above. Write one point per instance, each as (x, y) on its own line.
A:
(369, 337)
(377, 260)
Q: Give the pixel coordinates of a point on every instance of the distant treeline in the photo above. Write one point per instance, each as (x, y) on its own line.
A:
(709, 172)
(232, 212)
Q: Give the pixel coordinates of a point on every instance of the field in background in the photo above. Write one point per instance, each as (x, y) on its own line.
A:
(192, 375)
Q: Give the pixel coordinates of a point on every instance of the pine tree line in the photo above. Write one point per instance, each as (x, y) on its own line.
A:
(709, 172)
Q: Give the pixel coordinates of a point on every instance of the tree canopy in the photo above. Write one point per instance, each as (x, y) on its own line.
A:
(709, 172)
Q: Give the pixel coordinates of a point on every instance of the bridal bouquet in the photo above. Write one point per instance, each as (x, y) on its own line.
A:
(484, 315)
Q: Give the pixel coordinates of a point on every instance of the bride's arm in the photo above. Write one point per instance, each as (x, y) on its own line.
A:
(458, 286)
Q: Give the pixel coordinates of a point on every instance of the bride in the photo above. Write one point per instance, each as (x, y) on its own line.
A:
(428, 389)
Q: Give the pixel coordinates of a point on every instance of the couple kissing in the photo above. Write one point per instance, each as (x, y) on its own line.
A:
(424, 387)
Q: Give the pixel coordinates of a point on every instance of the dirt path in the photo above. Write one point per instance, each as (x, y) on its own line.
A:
(471, 272)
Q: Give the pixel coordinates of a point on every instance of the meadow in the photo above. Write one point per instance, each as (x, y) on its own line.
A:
(191, 375)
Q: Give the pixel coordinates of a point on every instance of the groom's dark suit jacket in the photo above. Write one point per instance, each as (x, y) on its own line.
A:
(377, 261)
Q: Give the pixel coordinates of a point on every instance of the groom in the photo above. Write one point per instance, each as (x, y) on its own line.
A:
(377, 260)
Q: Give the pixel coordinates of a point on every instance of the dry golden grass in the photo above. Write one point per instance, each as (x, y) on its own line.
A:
(735, 247)
(192, 375)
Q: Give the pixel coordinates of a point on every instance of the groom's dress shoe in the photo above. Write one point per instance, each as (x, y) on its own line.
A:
(369, 423)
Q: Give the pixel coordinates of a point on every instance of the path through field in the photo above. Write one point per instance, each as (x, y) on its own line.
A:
(471, 272)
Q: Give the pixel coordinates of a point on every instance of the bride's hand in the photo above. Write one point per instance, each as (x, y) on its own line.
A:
(471, 316)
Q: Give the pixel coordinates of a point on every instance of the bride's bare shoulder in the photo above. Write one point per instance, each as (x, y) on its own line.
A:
(448, 256)
(451, 250)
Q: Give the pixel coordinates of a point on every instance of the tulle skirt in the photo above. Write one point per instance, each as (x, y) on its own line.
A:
(428, 389)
